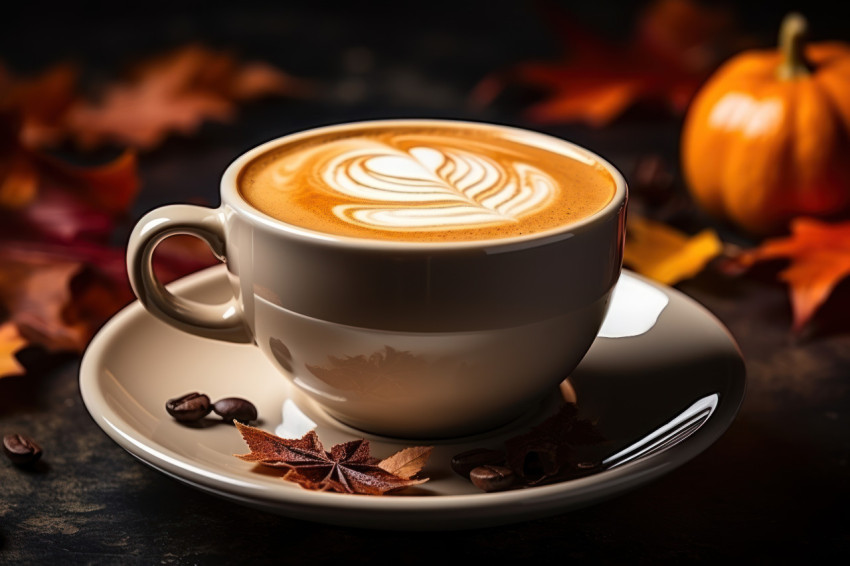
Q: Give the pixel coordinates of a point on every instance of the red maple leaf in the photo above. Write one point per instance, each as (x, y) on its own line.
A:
(675, 44)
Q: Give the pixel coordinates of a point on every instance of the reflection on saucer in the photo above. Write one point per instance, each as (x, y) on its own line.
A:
(635, 308)
(668, 435)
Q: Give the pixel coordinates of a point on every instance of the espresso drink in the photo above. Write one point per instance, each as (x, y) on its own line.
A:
(426, 183)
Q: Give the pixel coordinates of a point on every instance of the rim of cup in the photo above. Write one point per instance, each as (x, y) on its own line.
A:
(231, 196)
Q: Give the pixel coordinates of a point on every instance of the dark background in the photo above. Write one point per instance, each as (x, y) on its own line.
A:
(773, 488)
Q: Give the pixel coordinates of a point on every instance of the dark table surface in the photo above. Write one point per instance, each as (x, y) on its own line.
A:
(774, 487)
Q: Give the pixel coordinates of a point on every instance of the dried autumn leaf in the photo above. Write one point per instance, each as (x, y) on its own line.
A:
(31, 113)
(346, 468)
(408, 462)
(35, 293)
(665, 254)
(61, 276)
(58, 215)
(819, 255)
(40, 101)
(62, 293)
(673, 48)
(174, 92)
(19, 175)
(18, 180)
(11, 342)
(55, 219)
(25, 170)
(111, 186)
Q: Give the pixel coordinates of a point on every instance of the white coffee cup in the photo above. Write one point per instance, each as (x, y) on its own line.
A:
(405, 339)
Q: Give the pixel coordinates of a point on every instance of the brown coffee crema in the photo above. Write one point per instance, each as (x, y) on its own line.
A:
(425, 183)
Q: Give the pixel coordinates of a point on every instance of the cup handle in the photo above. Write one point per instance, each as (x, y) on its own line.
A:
(223, 321)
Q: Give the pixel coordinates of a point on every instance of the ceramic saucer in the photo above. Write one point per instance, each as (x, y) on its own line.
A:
(663, 380)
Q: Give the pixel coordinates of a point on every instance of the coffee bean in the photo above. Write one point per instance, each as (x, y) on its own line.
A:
(492, 478)
(190, 407)
(465, 462)
(21, 449)
(234, 408)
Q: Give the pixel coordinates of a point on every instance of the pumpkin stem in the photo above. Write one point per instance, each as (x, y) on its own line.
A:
(791, 44)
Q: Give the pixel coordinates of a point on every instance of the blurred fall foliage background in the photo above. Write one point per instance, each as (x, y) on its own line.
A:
(91, 137)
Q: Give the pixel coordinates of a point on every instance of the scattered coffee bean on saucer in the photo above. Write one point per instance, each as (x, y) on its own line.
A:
(235, 408)
(492, 478)
(465, 462)
(189, 408)
(194, 406)
(20, 449)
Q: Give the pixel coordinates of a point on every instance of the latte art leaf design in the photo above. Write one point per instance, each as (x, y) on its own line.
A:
(426, 188)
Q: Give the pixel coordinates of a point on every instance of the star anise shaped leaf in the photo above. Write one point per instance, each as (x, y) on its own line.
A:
(347, 468)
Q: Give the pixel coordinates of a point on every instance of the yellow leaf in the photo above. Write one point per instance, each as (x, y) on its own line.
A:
(665, 254)
(10, 342)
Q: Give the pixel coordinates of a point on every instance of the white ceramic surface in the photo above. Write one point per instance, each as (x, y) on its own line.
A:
(665, 382)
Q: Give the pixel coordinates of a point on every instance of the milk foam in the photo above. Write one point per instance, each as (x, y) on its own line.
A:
(432, 188)
(428, 182)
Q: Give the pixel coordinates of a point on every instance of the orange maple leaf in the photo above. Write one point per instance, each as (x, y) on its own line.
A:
(174, 92)
(819, 254)
(674, 46)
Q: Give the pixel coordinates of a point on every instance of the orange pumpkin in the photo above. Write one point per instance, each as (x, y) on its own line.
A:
(767, 137)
